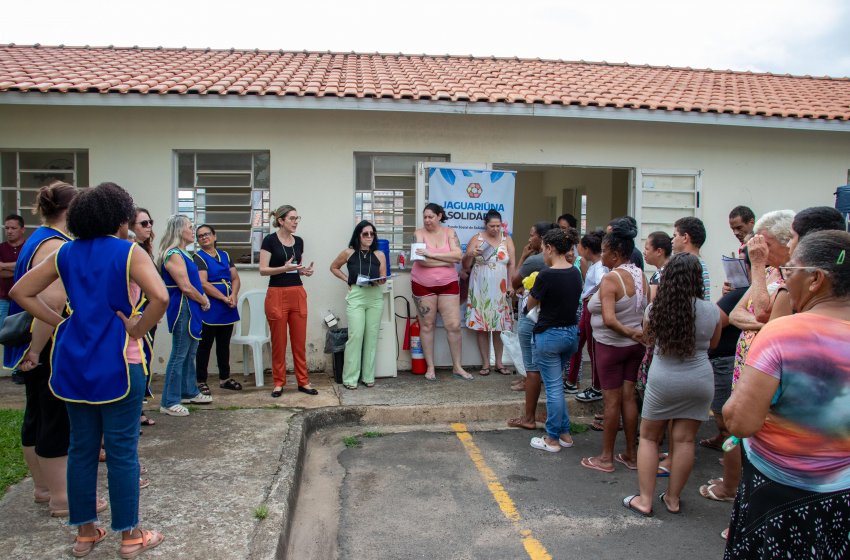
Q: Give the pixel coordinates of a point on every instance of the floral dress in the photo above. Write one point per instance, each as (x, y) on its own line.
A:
(746, 338)
(488, 307)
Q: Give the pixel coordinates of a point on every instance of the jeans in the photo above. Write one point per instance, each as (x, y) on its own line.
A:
(180, 382)
(118, 424)
(524, 334)
(552, 349)
(4, 310)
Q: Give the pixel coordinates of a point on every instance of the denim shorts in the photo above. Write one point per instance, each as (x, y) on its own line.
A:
(722, 381)
(524, 333)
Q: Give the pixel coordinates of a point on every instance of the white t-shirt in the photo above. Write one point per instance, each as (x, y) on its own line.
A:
(594, 275)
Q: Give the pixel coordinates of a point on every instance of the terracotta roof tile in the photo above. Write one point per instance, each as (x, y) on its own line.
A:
(127, 71)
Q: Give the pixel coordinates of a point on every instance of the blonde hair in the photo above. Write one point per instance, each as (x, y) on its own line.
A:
(173, 236)
(280, 213)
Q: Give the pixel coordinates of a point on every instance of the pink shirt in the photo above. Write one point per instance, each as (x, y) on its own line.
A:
(134, 351)
(431, 276)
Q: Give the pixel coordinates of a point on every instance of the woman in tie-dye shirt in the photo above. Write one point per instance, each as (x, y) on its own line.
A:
(792, 406)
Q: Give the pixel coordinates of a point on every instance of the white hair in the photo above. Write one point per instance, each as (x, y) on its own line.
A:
(776, 223)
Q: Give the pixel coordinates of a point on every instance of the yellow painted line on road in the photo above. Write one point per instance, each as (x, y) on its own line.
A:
(533, 547)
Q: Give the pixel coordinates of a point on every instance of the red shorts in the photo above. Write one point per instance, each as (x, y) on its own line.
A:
(450, 289)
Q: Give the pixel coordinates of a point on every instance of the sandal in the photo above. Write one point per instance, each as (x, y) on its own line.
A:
(430, 376)
(621, 458)
(590, 463)
(91, 541)
(145, 421)
(349, 387)
(707, 492)
(369, 385)
(519, 423)
(148, 540)
(204, 389)
(627, 503)
(231, 384)
(100, 505)
(483, 372)
(503, 370)
(144, 483)
(662, 497)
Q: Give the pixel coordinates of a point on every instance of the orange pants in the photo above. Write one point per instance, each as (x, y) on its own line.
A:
(286, 309)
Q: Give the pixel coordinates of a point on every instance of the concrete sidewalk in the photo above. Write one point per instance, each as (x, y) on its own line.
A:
(212, 470)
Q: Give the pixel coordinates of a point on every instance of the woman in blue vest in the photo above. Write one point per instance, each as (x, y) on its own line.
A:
(97, 363)
(186, 303)
(45, 430)
(221, 284)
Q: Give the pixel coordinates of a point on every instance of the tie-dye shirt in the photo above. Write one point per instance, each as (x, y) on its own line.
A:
(805, 440)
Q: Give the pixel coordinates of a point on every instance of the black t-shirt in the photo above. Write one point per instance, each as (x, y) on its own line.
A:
(730, 333)
(558, 290)
(279, 255)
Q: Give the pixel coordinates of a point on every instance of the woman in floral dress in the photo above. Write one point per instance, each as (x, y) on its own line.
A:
(489, 262)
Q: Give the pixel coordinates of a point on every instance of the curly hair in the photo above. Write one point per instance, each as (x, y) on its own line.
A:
(100, 211)
(672, 317)
(558, 240)
(620, 239)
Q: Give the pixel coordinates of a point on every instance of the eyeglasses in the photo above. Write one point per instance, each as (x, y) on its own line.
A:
(203, 235)
(295, 219)
(367, 233)
(785, 274)
(146, 223)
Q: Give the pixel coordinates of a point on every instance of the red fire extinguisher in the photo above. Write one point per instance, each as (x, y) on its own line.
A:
(417, 358)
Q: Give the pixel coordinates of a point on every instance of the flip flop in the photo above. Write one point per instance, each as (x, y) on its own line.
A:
(627, 503)
(430, 377)
(101, 534)
(620, 458)
(587, 462)
(596, 426)
(483, 372)
(663, 501)
(503, 370)
(466, 377)
(662, 472)
(145, 421)
(718, 480)
(517, 423)
(709, 443)
(707, 492)
(724, 534)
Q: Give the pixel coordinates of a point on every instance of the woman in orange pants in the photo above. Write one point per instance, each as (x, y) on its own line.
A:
(286, 300)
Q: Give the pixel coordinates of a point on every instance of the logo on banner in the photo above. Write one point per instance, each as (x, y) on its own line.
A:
(474, 190)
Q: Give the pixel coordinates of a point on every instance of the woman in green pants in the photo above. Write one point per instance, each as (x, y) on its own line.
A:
(367, 268)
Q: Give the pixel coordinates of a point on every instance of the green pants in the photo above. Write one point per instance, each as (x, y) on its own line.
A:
(364, 309)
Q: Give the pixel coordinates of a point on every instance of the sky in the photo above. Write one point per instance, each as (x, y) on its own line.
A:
(779, 36)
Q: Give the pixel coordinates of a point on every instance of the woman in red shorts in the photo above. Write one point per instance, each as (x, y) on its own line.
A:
(435, 287)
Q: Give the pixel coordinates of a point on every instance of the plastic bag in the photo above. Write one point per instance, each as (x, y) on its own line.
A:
(512, 347)
(336, 339)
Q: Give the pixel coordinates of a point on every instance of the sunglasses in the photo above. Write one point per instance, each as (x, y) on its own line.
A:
(367, 233)
(146, 223)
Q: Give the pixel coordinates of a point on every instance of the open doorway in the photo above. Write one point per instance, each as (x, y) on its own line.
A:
(594, 195)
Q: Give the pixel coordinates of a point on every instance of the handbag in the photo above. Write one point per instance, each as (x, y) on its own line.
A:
(17, 329)
(512, 347)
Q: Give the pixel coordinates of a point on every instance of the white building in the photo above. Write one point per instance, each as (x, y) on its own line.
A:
(226, 135)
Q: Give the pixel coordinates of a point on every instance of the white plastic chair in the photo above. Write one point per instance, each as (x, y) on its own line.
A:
(258, 332)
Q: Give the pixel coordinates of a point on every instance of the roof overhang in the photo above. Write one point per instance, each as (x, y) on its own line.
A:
(415, 106)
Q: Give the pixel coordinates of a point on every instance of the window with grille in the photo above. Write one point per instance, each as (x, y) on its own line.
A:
(230, 192)
(385, 194)
(23, 173)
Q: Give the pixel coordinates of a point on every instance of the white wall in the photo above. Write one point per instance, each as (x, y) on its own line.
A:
(312, 165)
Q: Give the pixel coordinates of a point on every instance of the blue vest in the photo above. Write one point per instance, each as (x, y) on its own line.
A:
(89, 362)
(176, 299)
(218, 274)
(12, 355)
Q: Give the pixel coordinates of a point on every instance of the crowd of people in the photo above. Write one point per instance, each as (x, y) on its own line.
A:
(766, 360)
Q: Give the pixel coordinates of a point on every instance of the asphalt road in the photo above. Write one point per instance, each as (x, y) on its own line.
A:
(429, 495)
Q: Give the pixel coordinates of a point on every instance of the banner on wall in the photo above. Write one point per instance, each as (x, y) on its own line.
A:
(467, 195)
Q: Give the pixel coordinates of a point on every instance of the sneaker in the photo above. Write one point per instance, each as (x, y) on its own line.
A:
(589, 395)
(569, 388)
(200, 398)
(175, 410)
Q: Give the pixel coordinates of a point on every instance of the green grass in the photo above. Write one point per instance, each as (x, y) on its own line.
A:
(351, 441)
(372, 434)
(577, 428)
(261, 512)
(12, 465)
